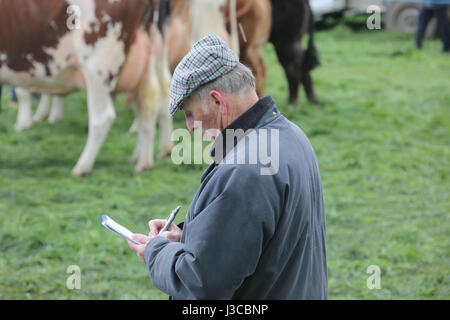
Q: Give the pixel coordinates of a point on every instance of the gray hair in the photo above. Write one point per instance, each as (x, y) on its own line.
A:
(233, 82)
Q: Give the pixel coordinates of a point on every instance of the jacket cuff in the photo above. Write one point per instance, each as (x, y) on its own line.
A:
(155, 244)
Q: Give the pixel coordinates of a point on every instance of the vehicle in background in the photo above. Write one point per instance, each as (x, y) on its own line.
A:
(399, 16)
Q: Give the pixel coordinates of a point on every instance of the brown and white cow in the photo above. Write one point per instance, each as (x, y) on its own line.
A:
(102, 46)
(192, 20)
(46, 109)
(255, 21)
(50, 107)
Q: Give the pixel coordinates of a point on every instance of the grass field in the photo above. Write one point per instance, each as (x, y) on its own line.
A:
(381, 135)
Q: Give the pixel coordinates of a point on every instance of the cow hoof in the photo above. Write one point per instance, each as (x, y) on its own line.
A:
(53, 120)
(18, 127)
(38, 118)
(293, 102)
(314, 100)
(164, 154)
(132, 159)
(78, 172)
(140, 168)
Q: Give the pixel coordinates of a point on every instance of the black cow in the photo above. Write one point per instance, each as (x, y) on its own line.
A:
(292, 19)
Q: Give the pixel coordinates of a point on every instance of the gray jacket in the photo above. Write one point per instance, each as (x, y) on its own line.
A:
(249, 235)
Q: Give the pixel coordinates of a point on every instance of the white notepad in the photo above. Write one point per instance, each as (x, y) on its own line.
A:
(110, 224)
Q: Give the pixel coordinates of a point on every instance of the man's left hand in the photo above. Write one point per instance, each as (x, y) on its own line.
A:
(139, 248)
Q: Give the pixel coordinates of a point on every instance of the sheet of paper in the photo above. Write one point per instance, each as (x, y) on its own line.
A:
(110, 224)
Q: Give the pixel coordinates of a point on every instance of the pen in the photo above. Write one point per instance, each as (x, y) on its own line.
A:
(172, 216)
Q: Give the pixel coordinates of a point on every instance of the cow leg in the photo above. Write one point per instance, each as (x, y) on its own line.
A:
(43, 109)
(148, 98)
(134, 125)
(101, 116)
(145, 140)
(250, 58)
(1, 97)
(165, 132)
(293, 82)
(165, 121)
(24, 117)
(57, 112)
(133, 129)
(259, 76)
(263, 70)
(309, 88)
(291, 56)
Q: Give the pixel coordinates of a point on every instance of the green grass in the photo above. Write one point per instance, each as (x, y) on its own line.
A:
(381, 136)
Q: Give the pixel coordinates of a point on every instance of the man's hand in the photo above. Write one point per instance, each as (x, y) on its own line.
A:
(173, 233)
(139, 248)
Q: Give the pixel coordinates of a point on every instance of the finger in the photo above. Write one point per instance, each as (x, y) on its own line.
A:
(166, 234)
(156, 223)
(155, 226)
(133, 246)
(140, 238)
(172, 235)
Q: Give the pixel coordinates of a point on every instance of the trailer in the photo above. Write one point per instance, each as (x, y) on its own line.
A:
(398, 15)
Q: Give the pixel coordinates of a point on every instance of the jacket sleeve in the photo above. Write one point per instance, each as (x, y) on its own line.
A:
(223, 244)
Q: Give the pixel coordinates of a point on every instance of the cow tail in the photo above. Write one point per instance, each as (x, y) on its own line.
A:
(311, 60)
(163, 14)
(164, 75)
(148, 16)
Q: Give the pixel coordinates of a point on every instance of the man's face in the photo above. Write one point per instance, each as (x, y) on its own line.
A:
(198, 116)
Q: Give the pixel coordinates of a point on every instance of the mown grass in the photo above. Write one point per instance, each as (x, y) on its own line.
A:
(381, 136)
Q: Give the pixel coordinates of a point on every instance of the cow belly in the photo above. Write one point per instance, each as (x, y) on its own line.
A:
(136, 64)
(179, 42)
(58, 75)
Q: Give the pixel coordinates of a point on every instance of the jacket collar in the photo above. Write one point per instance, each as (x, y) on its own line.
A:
(248, 120)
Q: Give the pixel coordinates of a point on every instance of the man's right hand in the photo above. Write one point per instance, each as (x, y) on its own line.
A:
(173, 233)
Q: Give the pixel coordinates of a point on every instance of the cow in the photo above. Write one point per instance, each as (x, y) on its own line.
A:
(255, 21)
(292, 19)
(192, 20)
(113, 46)
(44, 111)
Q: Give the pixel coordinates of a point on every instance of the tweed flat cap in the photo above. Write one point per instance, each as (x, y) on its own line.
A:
(208, 59)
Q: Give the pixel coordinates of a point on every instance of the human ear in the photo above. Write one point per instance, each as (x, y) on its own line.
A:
(219, 101)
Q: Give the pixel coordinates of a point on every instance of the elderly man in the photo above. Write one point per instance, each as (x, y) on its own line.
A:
(249, 233)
